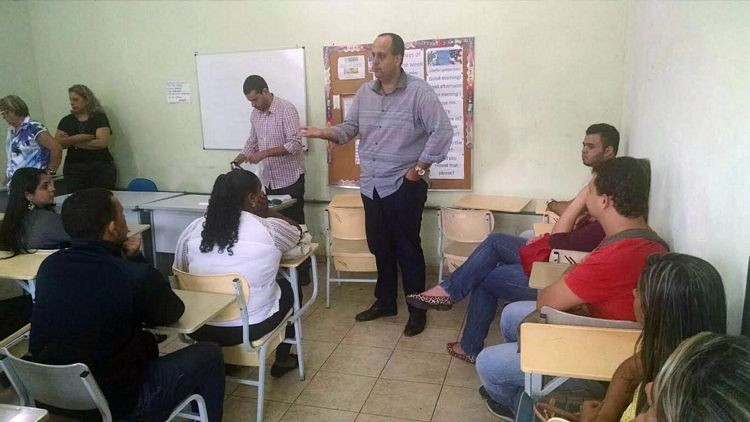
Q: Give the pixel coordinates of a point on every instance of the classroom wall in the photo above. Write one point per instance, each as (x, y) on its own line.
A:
(686, 109)
(17, 62)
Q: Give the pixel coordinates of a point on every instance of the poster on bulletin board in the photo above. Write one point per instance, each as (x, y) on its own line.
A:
(447, 64)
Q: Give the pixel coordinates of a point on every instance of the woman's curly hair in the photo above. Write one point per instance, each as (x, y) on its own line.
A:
(224, 207)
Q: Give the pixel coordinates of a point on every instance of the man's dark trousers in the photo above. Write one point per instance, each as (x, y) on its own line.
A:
(392, 225)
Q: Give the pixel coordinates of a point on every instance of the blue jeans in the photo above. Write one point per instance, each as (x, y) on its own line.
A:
(499, 367)
(492, 272)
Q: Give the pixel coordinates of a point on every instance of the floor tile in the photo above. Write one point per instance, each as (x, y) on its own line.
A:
(358, 360)
(242, 409)
(363, 417)
(402, 399)
(285, 389)
(315, 352)
(374, 333)
(457, 403)
(462, 374)
(446, 319)
(340, 311)
(333, 390)
(409, 365)
(432, 340)
(299, 413)
(323, 330)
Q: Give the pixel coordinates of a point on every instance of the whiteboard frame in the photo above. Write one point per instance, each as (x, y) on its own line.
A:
(303, 119)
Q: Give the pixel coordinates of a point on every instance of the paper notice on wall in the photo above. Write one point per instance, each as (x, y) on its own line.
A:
(356, 151)
(336, 102)
(178, 92)
(414, 62)
(445, 75)
(346, 101)
(351, 67)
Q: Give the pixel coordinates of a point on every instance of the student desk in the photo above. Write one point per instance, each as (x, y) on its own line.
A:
(545, 273)
(169, 217)
(13, 413)
(347, 201)
(590, 353)
(543, 228)
(200, 307)
(503, 204)
(22, 268)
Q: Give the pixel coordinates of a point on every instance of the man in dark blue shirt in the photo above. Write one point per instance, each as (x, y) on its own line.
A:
(92, 301)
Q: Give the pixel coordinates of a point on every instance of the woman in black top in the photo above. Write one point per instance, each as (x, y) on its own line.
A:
(85, 133)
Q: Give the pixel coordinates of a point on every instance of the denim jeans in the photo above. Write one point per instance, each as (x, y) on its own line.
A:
(492, 272)
(499, 367)
(198, 368)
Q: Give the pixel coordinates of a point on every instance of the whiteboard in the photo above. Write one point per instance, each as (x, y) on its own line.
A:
(225, 112)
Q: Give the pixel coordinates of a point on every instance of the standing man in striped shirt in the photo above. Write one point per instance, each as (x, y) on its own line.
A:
(274, 139)
(403, 129)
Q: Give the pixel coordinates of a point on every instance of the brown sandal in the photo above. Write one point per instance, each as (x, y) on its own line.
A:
(455, 354)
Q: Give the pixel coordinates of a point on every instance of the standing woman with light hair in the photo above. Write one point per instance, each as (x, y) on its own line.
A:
(85, 133)
(27, 143)
(707, 379)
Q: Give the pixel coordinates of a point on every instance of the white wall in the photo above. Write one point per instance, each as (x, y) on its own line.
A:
(17, 63)
(688, 110)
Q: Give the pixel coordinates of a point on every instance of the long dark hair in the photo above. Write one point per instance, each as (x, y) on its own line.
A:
(12, 230)
(223, 214)
(681, 296)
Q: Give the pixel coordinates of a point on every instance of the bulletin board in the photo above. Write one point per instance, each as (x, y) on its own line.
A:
(447, 64)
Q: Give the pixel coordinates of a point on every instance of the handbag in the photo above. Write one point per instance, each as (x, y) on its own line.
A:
(537, 251)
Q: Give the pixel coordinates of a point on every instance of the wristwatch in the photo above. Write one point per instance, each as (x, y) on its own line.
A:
(420, 171)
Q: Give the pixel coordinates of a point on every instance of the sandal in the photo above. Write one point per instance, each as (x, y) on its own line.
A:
(421, 301)
(455, 354)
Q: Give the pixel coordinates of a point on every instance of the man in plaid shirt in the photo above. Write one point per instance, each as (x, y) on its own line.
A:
(274, 139)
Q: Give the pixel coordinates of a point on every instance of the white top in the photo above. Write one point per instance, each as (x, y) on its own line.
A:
(255, 255)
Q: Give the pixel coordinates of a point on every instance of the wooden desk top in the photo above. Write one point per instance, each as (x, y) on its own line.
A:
(10, 412)
(347, 201)
(543, 228)
(492, 203)
(590, 353)
(540, 205)
(545, 273)
(200, 307)
(7, 340)
(134, 229)
(23, 266)
(292, 263)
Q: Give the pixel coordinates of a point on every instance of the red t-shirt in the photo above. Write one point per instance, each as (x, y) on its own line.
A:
(606, 279)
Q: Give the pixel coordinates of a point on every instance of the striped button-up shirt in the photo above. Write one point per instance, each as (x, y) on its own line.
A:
(277, 126)
(396, 130)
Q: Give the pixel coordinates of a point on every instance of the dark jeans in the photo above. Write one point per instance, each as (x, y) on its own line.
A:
(232, 336)
(93, 174)
(392, 225)
(493, 271)
(296, 212)
(198, 368)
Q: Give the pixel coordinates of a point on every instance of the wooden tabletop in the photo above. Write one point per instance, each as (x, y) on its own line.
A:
(200, 307)
(545, 273)
(347, 201)
(492, 203)
(293, 263)
(590, 353)
(11, 412)
(134, 229)
(23, 266)
(543, 228)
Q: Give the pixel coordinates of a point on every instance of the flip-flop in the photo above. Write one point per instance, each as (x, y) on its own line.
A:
(455, 354)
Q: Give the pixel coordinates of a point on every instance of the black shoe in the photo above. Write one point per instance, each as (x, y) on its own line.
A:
(415, 325)
(483, 392)
(304, 277)
(376, 311)
(280, 368)
(500, 410)
(160, 338)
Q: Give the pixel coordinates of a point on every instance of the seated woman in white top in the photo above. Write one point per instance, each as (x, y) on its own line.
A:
(240, 234)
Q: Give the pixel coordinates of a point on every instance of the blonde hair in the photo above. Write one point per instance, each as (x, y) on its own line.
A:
(707, 379)
(14, 104)
(92, 103)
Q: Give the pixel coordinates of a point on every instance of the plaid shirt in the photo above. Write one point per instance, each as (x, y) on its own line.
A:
(278, 126)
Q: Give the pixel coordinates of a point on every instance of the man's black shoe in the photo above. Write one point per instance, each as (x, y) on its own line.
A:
(500, 410)
(483, 392)
(415, 325)
(376, 311)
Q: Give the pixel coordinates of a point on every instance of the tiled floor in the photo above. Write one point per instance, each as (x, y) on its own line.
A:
(367, 371)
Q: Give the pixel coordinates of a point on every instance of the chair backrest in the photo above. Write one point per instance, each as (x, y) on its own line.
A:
(215, 283)
(553, 316)
(550, 217)
(347, 223)
(65, 386)
(142, 185)
(466, 225)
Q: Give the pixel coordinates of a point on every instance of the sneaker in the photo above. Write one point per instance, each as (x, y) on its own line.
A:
(502, 411)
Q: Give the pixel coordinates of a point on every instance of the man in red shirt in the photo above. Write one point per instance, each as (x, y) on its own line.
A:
(601, 286)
